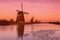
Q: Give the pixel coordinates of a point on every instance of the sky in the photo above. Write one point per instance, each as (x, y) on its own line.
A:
(43, 10)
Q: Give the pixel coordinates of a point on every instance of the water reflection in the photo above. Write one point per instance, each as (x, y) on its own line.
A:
(30, 32)
(20, 31)
(45, 35)
(7, 28)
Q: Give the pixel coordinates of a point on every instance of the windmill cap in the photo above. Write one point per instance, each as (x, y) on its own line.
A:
(20, 12)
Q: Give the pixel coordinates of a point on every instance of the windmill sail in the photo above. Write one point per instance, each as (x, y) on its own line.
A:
(22, 6)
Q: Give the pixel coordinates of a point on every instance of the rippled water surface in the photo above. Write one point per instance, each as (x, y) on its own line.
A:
(30, 32)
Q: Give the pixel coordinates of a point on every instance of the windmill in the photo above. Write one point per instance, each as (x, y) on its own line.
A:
(20, 15)
(20, 20)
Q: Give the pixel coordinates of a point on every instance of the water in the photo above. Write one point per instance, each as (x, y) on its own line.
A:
(31, 32)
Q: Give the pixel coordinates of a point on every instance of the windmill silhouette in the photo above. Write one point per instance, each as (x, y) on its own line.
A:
(20, 16)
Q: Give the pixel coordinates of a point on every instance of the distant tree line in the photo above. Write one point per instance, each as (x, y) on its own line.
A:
(6, 22)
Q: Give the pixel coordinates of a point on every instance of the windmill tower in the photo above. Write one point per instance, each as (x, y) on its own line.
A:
(20, 16)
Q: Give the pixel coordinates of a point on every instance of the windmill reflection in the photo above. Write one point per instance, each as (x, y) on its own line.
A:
(20, 31)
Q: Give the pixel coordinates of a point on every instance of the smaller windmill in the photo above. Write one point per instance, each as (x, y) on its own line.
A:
(20, 16)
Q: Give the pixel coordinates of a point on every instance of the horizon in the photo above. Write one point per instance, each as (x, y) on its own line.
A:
(43, 10)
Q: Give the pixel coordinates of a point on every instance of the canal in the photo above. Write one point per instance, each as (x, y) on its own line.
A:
(30, 32)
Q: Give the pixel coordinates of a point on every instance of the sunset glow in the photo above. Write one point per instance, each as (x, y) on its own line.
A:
(44, 10)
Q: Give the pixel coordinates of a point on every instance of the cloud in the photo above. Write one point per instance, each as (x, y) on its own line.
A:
(33, 1)
(43, 1)
(8, 0)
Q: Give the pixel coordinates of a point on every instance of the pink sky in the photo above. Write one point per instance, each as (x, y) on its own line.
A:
(45, 10)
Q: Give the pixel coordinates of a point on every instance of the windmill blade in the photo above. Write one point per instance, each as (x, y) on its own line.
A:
(17, 11)
(26, 13)
(22, 6)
